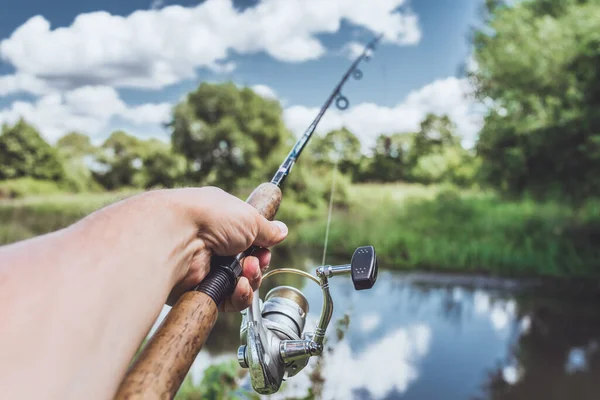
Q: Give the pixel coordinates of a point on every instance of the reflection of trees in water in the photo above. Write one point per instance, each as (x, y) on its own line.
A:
(543, 355)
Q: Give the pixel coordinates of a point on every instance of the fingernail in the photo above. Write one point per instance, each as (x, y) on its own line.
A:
(282, 227)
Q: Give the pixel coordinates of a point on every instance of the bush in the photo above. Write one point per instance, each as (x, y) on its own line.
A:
(22, 187)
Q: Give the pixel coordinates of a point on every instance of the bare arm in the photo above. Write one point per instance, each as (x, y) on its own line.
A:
(75, 304)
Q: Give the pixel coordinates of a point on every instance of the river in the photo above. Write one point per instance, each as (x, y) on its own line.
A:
(434, 336)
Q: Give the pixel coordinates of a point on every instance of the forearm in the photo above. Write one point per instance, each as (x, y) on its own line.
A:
(89, 320)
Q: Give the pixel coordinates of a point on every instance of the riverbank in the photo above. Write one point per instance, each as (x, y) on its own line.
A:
(437, 229)
(412, 227)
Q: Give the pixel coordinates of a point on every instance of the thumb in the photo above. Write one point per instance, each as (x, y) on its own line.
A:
(270, 233)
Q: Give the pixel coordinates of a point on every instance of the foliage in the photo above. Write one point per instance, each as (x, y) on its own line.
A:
(75, 145)
(435, 228)
(24, 153)
(162, 168)
(227, 134)
(538, 66)
(219, 382)
(120, 160)
(433, 154)
(22, 187)
(389, 161)
(341, 145)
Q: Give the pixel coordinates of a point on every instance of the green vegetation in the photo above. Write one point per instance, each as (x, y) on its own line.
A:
(439, 228)
(220, 381)
(539, 66)
(411, 226)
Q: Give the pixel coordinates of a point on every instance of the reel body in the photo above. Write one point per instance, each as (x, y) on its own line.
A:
(274, 345)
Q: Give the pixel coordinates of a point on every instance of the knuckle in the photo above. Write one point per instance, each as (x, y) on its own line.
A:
(213, 190)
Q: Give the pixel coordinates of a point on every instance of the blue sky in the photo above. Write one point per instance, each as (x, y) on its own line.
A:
(104, 72)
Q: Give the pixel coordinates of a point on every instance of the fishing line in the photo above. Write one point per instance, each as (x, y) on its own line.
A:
(330, 210)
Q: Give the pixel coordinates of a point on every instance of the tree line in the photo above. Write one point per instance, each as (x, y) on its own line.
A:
(229, 137)
(538, 71)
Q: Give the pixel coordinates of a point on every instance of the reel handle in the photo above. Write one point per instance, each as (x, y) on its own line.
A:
(167, 357)
(364, 267)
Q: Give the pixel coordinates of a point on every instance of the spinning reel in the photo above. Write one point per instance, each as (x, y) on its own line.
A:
(274, 346)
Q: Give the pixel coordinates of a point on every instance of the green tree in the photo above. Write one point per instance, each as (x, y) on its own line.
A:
(227, 134)
(539, 69)
(75, 144)
(339, 144)
(436, 133)
(389, 158)
(437, 154)
(120, 160)
(24, 153)
(161, 166)
(77, 152)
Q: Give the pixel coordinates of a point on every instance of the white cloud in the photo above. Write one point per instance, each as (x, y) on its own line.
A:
(92, 108)
(21, 83)
(158, 47)
(369, 322)
(502, 313)
(367, 120)
(147, 113)
(264, 91)
(372, 369)
(89, 109)
(353, 49)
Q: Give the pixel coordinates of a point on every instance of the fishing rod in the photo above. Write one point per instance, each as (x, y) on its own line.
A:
(271, 346)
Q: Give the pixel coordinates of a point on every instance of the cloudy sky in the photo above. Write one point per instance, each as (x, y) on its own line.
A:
(96, 66)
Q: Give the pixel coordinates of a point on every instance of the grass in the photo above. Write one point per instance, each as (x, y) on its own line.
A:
(411, 227)
(435, 228)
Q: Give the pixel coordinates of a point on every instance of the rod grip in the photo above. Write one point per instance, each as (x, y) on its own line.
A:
(222, 279)
(266, 198)
(170, 352)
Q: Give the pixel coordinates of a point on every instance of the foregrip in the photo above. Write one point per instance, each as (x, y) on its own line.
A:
(224, 271)
(167, 357)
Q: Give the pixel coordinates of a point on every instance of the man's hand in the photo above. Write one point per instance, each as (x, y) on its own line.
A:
(78, 302)
(226, 226)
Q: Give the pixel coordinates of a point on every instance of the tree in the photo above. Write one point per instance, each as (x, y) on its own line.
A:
(120, 159)
(341, 144)
(75, 144)
(437, 155)
(435, 134)
(389, 160)
(24, 153)
(161, 166)
(539, 68)
(227, 134)
(77, 154)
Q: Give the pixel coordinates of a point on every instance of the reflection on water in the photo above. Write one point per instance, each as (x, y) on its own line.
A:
(429, 337)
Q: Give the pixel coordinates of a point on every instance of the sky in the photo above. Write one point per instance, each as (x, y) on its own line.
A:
(98, 66)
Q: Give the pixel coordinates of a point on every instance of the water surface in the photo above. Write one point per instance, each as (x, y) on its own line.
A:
(431, 336)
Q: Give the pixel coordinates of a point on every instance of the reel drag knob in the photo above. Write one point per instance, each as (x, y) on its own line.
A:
(364, 267)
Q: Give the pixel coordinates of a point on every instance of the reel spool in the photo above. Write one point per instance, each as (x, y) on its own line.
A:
(274, 345)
